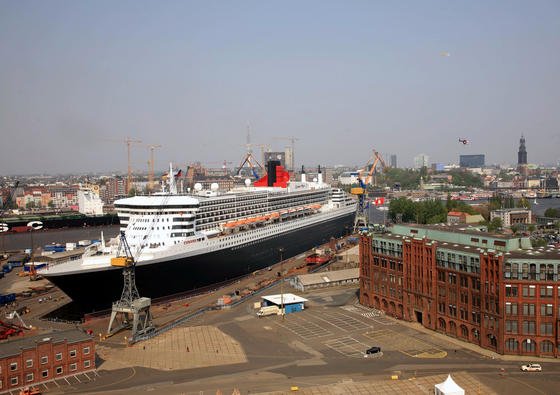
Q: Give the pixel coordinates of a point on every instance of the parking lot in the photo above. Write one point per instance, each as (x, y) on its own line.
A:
(352, 329)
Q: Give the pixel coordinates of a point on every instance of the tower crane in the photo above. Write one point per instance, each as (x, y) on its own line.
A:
(128, 141)
(151, 163)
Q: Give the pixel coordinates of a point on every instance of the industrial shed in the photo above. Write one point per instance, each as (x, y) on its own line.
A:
(305, 282)
(292, 303)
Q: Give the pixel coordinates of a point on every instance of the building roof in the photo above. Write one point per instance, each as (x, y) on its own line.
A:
(477, 248)
(456, 213)
(328, 277)
(284, 298)
(15, 347)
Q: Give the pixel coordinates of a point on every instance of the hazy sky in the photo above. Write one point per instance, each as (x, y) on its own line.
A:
(77, 77)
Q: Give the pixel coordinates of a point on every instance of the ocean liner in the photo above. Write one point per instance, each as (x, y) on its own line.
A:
(183, 242)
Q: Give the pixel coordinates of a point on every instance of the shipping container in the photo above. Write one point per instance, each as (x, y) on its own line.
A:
(7, 298)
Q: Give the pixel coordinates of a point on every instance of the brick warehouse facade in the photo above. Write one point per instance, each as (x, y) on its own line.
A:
(32, 360)
(491, 290)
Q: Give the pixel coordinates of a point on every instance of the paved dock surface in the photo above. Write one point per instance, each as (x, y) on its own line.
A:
(179, 348)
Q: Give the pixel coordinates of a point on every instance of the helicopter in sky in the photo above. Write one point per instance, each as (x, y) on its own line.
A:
(464, 141)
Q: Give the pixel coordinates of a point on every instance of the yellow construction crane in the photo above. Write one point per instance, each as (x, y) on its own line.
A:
(128, 141)
(151, 163)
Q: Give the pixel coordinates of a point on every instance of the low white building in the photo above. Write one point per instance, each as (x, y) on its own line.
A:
(305, 282)
(348, 178)
(89, 202)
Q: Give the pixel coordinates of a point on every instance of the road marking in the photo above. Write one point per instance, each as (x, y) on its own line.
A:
(347, 346)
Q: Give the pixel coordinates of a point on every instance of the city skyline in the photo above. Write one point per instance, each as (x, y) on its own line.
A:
(79, 78)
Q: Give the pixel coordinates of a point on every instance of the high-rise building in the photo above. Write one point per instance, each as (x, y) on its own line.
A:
(393, 161)
(421, 160)
(289, 158)
(471, 160)
(522, 153)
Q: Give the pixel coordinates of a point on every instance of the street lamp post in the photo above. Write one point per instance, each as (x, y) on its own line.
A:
(281, 251)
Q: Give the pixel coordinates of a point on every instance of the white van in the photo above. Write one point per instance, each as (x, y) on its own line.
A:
(268, 310)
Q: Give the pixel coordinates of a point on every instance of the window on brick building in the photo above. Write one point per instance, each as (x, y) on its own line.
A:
(44, 359)
(441, 275)
(511, 308)
(529, 291)
(546, 291)
(475, 283)
(529, 327)
(58, 356)
(452, 278)
(529, 309)
(512, 345)
(507, 270)
(550, 276)
(528, 345)
(13, 366)
(28, 363)
(476, 300)
(86, 350)
(29, 377)
(547, 346)
(532, 271)
(475, 317)
(511, 326)
(546, 310)
(59, 370)
(73, 366)
(525, 271)
(546, 328)
(441, 308)
(14, 381)
(87, 363)
(511, 290)
(45, 374)
(72, 353)
(453, 310)
(464, 281)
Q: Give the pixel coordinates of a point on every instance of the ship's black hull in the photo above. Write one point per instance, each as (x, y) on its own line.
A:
(74, 220)
(95, 291)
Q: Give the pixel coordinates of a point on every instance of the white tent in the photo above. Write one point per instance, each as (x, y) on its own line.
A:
(448, 387)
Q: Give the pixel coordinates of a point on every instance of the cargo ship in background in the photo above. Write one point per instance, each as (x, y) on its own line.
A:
(184, 242)
(19, 224)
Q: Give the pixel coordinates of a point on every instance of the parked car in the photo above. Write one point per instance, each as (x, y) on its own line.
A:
(373, 350)
(531, 367)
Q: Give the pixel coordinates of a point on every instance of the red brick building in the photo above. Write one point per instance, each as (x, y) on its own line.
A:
(491, 290)
(35, 359)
